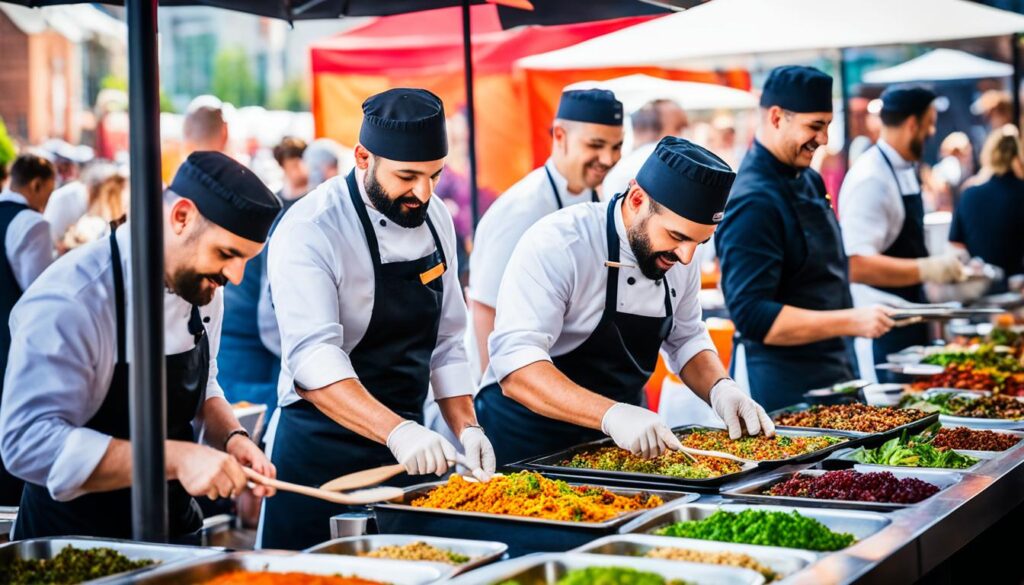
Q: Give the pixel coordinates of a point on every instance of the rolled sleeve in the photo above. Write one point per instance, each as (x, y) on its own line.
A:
(452, 380)
(50, 392)
(32, 253)
(689, 334)
(865, 216)
(751, 248)
(304, 277)
(532, 302)
(82, 452)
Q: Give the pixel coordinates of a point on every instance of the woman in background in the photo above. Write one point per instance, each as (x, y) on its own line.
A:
(107, 203)
(988, 220)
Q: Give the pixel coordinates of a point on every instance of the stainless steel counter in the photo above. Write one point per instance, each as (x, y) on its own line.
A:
(922, 537)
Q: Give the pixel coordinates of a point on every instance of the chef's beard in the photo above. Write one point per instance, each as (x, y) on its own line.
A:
(646, 259)
(194, 287)
(390, 207)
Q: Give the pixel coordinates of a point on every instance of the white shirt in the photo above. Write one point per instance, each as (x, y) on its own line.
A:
(67, 204)
(321, 282)
(626, 169)
(29, 250)
(553, 294)
(507, 220)
(62, 360)
(870, 202)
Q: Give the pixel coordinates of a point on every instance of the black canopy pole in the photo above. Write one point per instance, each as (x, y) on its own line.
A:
(147, 400)
(467, 54)
(844, 97)
(1015, 54)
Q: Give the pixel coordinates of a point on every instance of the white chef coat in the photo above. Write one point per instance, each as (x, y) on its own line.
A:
(66, 206)
(29, 250)
(507, 220)
(321, 284)
(62, 360)
(871, 217)
(553, 294)
(870, 202)
(618, 178)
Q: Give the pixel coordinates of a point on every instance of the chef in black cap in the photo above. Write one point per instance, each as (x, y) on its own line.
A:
(784, 272)
(364, 281)
(64, 417)
(591, 295)
(882, 216)
(586, 141)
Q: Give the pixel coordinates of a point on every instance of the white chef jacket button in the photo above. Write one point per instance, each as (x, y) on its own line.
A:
(630, 280)
(383, 223)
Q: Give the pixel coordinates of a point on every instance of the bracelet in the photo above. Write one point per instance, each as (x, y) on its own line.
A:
(723, 378)
(470, 426)
(233, 434)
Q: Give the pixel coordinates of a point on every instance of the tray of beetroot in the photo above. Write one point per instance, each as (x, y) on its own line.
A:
(846, 488)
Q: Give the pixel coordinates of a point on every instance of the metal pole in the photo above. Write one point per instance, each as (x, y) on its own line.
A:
(147, 400)
(1015, 53)
(844, 96)
(467, 54)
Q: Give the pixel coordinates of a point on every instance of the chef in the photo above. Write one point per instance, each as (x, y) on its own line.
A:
(882, 216)
(65, 413)
(591, 295)
(586, 142)
(784, 272)
(364, 279)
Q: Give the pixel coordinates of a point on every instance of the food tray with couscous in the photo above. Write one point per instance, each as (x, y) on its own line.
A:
(530, 512)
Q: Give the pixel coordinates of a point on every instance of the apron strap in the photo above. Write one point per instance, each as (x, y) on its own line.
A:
(119, 306)
(371, 236)
(612, 291)
(195, 325)
(895, 177)
(554, 189)
(364, 219)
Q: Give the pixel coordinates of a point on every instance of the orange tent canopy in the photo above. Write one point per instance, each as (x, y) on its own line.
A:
(424, 49)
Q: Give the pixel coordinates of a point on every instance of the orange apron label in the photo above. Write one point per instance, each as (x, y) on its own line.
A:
(432, 274)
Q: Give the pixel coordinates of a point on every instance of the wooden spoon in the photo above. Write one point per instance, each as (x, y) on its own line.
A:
(362, 497)
(363, 478)
(718, 454)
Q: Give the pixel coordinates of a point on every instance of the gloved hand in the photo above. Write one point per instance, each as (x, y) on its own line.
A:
(943, 269)
(731, 403)
(419, 449)
(638, 430)
(479, 452)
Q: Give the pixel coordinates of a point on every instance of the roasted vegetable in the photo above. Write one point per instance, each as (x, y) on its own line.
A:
(70, 565)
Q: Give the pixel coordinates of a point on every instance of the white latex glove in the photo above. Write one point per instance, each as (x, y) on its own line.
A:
(638, 430)
(944, 269)
(479, 453)
(419, 449)
(731, 404)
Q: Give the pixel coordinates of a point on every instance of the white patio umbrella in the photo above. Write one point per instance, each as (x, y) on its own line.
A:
(636, 90)
(941, 65)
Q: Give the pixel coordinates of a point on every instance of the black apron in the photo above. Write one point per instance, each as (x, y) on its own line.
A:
(779, 375)
(108, 514)
(554, 190)
(615, 361)
(910, 243)
(10, 292)
(392, 361)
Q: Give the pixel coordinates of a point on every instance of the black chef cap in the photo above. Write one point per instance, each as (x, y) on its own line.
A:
(688, 179)
(798, 89)
(596, 106)
(907, 99)
(228, 194)
(404, 125)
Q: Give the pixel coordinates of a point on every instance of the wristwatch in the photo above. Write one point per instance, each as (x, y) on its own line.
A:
(232, 435)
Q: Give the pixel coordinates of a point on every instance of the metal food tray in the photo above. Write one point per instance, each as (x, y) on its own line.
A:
(847, 456)
(918, 369)
(48, 548)
(522, 534)
(480, 552)
(987, 454)
(944, 313)
(860, 524)
(201, 571)
(865, 438)
(972, 422)
(752, 491)
(548, 569)
(549, 464)
(782, 561)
